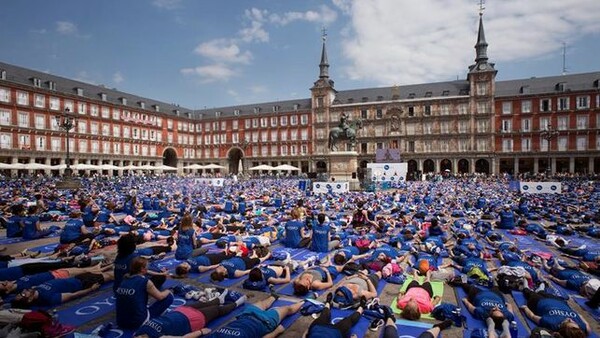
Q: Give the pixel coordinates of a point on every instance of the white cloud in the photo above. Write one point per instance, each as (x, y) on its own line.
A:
(325, 16)
(392, 42)
(210, 73)
(222, 50)
(167, 4)
(66, 28)
(118, 77)
(258, 89)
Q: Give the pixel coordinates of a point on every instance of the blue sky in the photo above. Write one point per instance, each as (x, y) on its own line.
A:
(204, 54)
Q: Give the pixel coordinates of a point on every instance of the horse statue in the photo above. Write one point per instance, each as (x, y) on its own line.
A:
(337, 133)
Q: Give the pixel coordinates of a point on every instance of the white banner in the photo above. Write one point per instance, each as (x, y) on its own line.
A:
(325, 187)
(217, 182)
(541, 187)
(388, 172)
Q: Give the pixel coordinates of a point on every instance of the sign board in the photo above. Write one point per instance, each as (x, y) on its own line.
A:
(541, 187)
(216, 182)
(387, 156)
(325, 187)
(388, 172)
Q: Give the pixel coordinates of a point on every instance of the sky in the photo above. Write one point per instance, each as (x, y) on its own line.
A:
(217, 53)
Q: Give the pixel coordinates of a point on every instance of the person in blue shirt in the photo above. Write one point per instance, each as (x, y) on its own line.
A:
(490, 306)
(201, 263)
(315, 278)
(258, 320)
(555, 314)
(59, 291)
(321, 236)
(132, 295)
(126, 252)
(350, 253)
(236, 267)
(572, 279)
(14, 224)
(31, 225)
(188, 320)
(187, 243)
(296, 235)
(322, 326)
(74, 230)
(507, 218)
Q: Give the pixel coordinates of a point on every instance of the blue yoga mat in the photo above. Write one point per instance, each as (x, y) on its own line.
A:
(360, 328)
(473, 323)
(408, 328)
(594, 312)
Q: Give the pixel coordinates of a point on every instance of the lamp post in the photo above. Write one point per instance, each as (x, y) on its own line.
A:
(548, 134)
(66, 122)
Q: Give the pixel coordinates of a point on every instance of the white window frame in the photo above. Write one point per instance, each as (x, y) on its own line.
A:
(507, 107)
(526, 106)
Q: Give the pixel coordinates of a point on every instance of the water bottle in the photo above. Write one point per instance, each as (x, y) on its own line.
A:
(514, 331)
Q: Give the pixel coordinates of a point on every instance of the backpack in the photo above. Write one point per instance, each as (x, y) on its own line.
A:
(478, 274)
(311, 307)
(343, 299)
(255, 285)
(444, 311)
(508, 283)
(34, 321)
(350, 269)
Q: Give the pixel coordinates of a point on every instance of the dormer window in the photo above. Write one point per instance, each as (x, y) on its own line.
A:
(103, 96)
(561, 86)
(123, 101)
(297, 106)
(36, 82)
(428, 94)
(79, 91)
(379, 98)
(395, 97)
(217, 114)
(445, 93)
(275, 109)
(365, 99)
(142, 104)
(350, 100)
(256, 110)
(156, 108)
(411, 95)
(597, 83)
(2, 74)
(236, 112)
(176, 112)
(524, 90)
(188, 114)
(51, 85)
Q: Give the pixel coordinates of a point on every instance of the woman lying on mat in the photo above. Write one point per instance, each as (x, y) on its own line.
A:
(316, 278)
(554, 313)
(58, 291)
(573, 279)
(236, 267)
(201, 263)
(322, 327)
(189, 321)
(258, 320)
(489, 305)
(27, 282)
(279, 272)
(417, 298)
(352, 288)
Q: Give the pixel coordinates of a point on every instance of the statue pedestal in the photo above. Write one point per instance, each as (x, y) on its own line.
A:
(344, 167)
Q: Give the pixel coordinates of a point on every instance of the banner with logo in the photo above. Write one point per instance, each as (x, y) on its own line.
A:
(325, 187)
(216, 182)
(388, 172)
(541, 187)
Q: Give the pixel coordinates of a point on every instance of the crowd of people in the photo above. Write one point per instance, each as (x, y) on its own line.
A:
(458, 230)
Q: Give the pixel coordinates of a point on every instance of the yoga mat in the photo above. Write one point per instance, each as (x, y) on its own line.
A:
(438, 290)
(520, 300)
(473, 323)
(88, 310)
(595, 313)
(288, 288)
(410, 328)
(359, 329)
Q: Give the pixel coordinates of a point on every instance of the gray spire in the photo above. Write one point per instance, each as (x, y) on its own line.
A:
(481, 46)
(324, 65)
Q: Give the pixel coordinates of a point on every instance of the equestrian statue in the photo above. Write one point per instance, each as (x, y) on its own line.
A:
(346, 130)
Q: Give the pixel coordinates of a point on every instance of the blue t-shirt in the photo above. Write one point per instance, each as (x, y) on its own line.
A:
(121, 268)
(198, 261)
(245, 326)
(132, 302)
(554, 311)
(13, 226)
(30, 227)
(12, 273)
(172, 323)
(71, 231)
(590, 256)
(507, 220)
(387, 250)
(185, 244)
(320, 238)
(574, 278)
(349, 251)
(472, 262)
(485, 301)
(321, 331)
(268, 273)
(532, 271)
(293, 233)
(50, 292)
(232, 265)
(27, 282)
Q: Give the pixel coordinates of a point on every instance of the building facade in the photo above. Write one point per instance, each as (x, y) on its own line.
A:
(464, 126)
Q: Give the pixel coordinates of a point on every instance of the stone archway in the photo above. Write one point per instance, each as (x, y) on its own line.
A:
(428, 166)
(413, 170)
(482, 166)
(234, 159)
(446, 164)
(463, 166)
(321, 167)
(170, 157)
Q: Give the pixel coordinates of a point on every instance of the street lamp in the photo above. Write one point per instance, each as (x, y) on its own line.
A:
(66, 122)
(548, 134)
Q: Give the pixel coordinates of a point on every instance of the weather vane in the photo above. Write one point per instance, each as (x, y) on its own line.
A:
(481, 6)
(324, 33)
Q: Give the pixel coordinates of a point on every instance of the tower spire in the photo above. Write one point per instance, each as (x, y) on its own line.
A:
(481, 45)
(324, 65)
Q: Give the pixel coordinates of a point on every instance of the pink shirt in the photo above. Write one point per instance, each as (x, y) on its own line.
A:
(421, 296)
